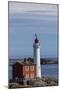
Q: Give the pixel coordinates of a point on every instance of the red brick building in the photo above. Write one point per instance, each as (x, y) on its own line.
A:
(25, 70)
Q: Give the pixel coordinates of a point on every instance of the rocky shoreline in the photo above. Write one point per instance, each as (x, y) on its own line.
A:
(45, 81)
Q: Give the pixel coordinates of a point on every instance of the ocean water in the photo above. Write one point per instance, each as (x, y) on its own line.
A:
(50, 70)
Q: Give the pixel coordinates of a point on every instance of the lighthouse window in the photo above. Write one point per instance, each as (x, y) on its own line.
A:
(32, 75)
(32, 68)
(26, 68)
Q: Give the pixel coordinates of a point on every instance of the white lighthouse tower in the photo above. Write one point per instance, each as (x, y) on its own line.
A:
(36, 52)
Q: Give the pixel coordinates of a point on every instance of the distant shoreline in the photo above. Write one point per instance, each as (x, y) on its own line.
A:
(47, 61)
(44, 61)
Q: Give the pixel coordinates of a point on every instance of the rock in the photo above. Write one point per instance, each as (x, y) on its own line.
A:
(45, 81)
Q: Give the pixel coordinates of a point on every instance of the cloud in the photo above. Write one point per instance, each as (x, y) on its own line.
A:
(45, 9)
(31, 16)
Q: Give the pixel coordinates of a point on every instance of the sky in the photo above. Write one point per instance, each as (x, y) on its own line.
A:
(26, 19)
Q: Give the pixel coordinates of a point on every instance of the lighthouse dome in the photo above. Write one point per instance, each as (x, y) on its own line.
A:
(36, 39)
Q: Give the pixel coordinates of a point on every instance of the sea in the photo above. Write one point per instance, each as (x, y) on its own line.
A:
(48, 70)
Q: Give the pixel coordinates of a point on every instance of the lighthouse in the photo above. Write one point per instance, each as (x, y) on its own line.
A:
(36, 56)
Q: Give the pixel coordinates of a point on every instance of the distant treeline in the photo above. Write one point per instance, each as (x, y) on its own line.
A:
(43, 60)
(47, 61)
